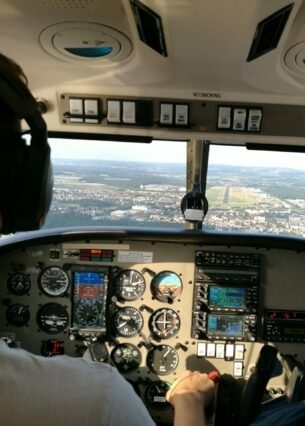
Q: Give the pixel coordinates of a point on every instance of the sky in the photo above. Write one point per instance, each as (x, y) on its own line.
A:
(170, 152)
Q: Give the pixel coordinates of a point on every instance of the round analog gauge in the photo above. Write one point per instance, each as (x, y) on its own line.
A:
(162, 360)
(18, 283)
(155, 394)
(166, 286)
(52, 318)
(164, 323)
(130, 284)
(128, 321)
(126, 357)
(18, 315)
(53, 281)
(87, 314)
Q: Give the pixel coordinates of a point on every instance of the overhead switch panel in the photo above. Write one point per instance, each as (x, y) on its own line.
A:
(129, 112)
(83, 110)
(166, 114)
(113, 111)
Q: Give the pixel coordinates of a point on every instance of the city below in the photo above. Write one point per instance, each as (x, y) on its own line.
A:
(124, 193)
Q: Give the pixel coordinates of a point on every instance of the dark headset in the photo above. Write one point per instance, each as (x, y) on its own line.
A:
(26, 178)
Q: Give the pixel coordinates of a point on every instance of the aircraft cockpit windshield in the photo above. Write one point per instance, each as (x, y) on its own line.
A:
(100, 183)
(255, 191)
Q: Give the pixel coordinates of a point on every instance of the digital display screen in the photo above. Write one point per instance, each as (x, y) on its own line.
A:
(225, 325)
(227, 297)
(298, 331)
(285, 315)
(89, 299)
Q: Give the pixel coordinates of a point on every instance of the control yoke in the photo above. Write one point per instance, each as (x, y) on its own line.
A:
(255, 387)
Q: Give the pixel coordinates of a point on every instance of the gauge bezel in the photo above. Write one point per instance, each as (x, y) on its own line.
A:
(166, 333)
(129, 366)
(47, 288)
(119, 286)
(25, 280)
(55, 307)
(162, 368)
(149, 394)
(128, 331)
(165, 296)
(11, 316)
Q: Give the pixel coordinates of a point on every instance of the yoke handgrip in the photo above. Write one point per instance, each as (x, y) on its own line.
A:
(255, 387)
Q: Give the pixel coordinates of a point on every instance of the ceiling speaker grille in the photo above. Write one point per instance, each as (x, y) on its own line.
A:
(68, 4)
(268, 33)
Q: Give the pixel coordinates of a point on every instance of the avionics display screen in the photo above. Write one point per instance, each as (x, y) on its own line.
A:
(291, 331)
(227, 297)
(89, 299)
(225, 325)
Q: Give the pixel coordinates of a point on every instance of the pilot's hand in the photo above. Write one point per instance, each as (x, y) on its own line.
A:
(192, 385)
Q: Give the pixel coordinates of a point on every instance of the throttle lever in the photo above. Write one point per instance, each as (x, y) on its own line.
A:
(255, 387)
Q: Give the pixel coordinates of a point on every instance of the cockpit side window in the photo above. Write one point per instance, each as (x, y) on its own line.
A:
(255, 191)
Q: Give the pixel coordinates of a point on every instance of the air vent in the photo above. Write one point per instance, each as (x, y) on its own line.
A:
(85, 41)
(268, 33)
(149, 25)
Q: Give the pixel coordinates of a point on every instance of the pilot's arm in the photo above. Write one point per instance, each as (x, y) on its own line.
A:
(65, 391)
(189, 395)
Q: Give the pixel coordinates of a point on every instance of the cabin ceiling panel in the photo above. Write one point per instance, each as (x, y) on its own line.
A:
(207, 41)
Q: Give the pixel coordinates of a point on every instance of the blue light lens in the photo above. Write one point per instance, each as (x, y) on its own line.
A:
(89, 52)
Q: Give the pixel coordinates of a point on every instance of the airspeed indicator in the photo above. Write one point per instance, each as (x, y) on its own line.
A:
(53, 281)
(130, 284)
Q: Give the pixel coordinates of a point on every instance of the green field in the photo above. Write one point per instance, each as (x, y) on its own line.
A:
(234, 196)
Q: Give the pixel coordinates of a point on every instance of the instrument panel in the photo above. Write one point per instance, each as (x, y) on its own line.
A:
(151, 307)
